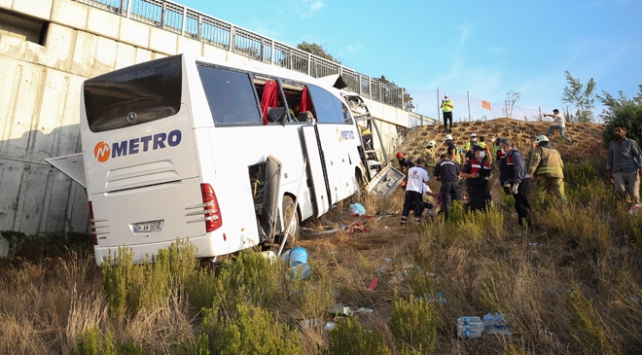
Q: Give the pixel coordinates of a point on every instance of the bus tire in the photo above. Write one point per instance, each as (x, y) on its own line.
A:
(288, 209)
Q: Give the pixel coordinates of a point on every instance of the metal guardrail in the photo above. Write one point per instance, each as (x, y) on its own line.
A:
(189, 23)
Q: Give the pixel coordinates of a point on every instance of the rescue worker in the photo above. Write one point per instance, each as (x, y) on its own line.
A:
(448, 172)
(476, 171)
(447, 108)
(452, 150)
(483, 144)
(468, 148)
(518, 181)
(430, 153)
(417, 177)
(546, 164)
(502, 166)
(404, 164)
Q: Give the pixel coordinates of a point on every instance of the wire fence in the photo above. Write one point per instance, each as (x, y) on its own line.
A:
(470, 108)
(189, 23)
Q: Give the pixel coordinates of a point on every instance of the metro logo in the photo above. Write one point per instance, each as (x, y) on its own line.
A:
(103, 152)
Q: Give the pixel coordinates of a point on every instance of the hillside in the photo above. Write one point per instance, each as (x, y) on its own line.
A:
(587, 137)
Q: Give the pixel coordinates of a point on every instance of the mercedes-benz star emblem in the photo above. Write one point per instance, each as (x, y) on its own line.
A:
(131, 117)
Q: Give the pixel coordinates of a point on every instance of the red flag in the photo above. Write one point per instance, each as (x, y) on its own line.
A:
(485, 105)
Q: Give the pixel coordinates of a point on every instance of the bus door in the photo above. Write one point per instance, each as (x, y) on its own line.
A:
(316, 170)
(338, 138)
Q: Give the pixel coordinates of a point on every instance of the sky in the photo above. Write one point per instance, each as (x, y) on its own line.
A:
(486, 48)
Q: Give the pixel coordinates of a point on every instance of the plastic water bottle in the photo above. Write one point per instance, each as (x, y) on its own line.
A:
(496, 324)
(470, 327)
(301, 271)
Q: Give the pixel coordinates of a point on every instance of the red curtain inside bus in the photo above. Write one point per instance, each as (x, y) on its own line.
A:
(269, 98)
(305, 100)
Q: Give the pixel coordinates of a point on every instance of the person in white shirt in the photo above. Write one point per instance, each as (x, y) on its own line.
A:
(560, 126)
(417, 176)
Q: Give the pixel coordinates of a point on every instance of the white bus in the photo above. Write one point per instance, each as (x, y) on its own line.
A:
(184, 147)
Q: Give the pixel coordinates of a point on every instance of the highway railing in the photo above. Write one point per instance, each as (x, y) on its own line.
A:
(193, 24)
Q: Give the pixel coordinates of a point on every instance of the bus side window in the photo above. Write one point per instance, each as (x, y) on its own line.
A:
(329, 109)
(230, 96)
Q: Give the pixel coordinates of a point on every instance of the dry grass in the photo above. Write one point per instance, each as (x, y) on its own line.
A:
(571, 286)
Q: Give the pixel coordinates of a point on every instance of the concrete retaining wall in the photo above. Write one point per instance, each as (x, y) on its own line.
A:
(39, 102)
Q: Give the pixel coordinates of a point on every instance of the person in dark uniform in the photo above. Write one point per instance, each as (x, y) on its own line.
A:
(518, 181)
(447, 172)
(404, 164)
(502, 165)
(476, 171)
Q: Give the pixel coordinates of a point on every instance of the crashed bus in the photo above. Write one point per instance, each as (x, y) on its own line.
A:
(222, 154)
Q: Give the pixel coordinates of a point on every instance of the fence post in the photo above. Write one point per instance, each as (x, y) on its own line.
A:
(309, 64)
(470, 118)
(359, 86)
(506, 103)
(163, 15)
(272, 54)
(540, 113)
(200, 27)
(184, 21)
(370, 87)
(439, 106)
(129, 7)
(232, 35)
(403, 91)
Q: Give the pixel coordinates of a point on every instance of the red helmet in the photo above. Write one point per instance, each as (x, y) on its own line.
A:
(399, 155)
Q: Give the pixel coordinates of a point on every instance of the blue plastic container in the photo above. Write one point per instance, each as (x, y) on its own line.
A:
(298, 255)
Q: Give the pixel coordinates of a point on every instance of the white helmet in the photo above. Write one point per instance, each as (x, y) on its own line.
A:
(448, 137)
(431, 144)
(473, 137)
(541, 138)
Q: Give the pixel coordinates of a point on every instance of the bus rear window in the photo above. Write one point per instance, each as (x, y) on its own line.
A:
(141, 93)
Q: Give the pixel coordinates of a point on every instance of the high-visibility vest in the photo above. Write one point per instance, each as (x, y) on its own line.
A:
(447, 106)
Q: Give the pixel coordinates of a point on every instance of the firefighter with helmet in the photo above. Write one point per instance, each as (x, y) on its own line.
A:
(546, 164)
(430, 152)
(453, 153)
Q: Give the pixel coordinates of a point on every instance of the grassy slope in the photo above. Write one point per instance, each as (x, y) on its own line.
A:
(572, 286)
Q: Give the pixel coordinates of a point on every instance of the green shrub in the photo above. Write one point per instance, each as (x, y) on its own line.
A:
(587, 324)
(350, 338)
(129, 287)
(247, 329)
(93, 342)
(414, 324)
(578, 175)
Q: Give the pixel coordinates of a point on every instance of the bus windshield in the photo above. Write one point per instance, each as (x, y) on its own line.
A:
(141, 93)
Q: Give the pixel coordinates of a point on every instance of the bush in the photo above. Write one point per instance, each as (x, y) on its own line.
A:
(93, 342)
(579, 175)
(129, 287)
(350, 338)
(414, 325)
(587, 323)
(247, 329)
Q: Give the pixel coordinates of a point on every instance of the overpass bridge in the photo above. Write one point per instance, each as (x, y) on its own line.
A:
(48, 47)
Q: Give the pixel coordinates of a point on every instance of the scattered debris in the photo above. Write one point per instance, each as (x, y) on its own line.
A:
(365, 310)
(355, 227)
(470, 327)
(328, 326)
(635, 208)
(357, 209)
(311, 323)
(496, 324)
(373, 284)
(339, 310)
(387, 259)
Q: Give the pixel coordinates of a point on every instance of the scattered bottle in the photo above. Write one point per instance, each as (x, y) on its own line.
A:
(300, 271)
(496, 324)
(470, 327)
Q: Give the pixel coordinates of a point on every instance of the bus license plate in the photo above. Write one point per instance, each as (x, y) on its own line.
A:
(147, 227)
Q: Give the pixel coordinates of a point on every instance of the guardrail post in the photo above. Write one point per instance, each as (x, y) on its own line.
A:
(200, 27)
(370, 87)
(184, 21)
(232, 35)
(272, 54)
(309, 63)
(359, 86)
(163, 15)
(122, 7)
(402, 98)
(290, 58)
(129, 7)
